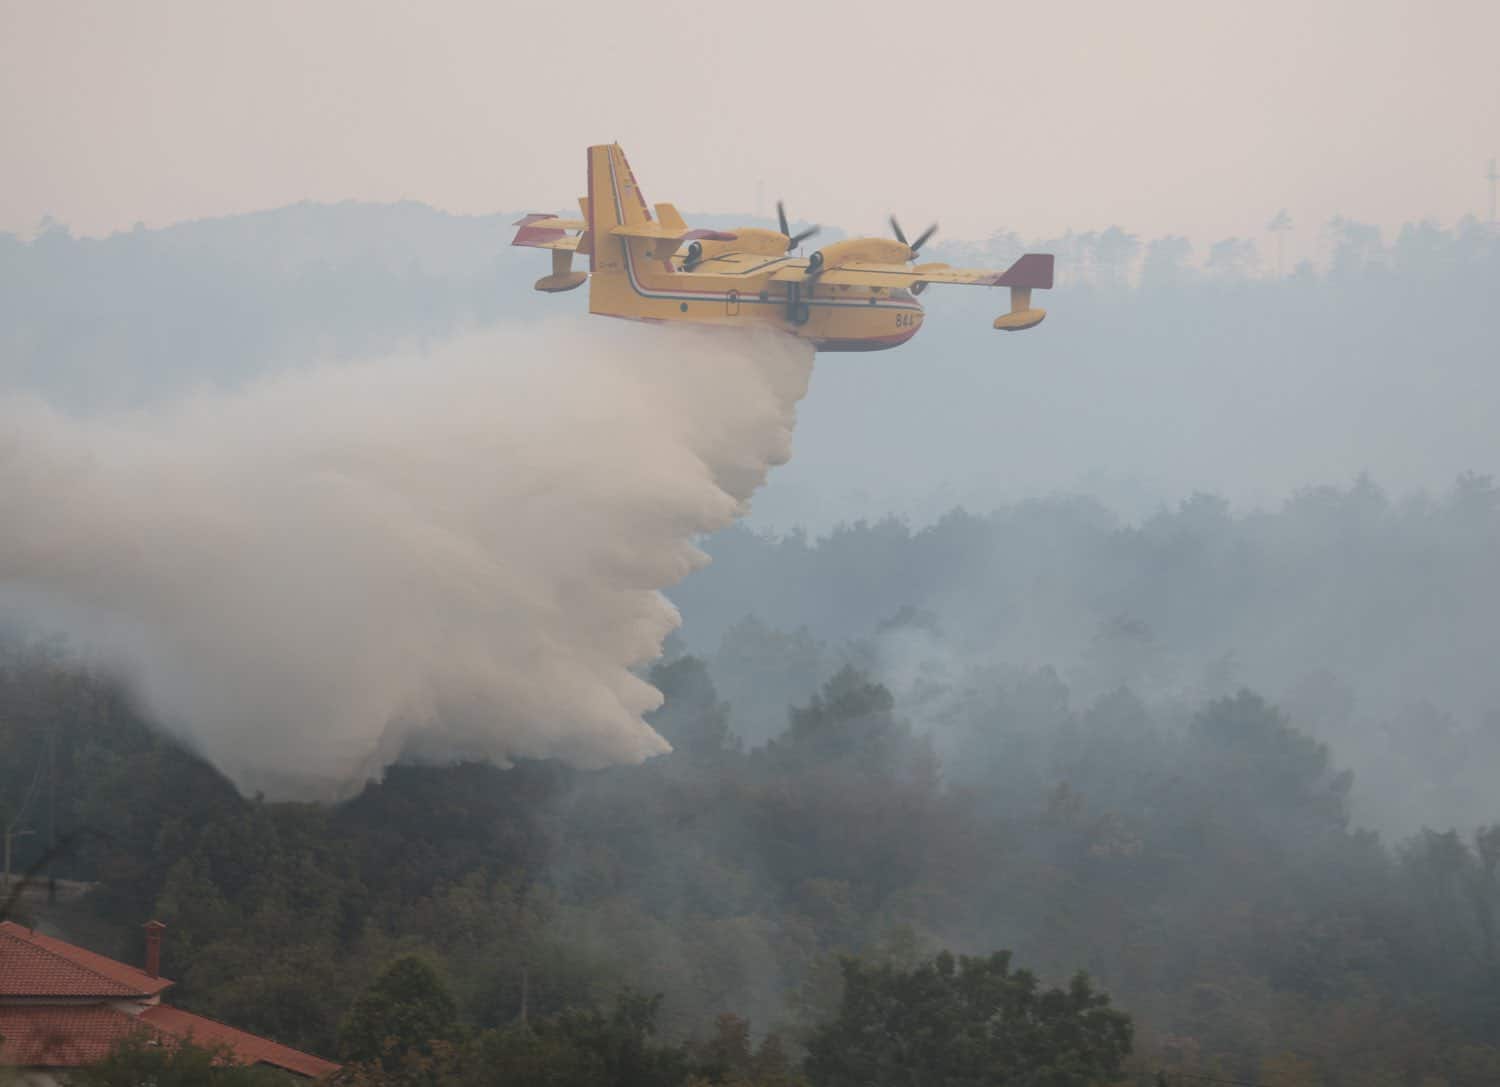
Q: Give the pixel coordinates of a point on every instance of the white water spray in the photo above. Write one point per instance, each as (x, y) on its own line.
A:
(462, 550)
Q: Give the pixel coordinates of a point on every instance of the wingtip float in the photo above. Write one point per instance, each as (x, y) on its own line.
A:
(853, 295)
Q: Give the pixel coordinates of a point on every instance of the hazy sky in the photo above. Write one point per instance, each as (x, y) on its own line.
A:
(1181, 116)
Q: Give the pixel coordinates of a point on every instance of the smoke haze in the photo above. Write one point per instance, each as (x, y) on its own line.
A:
(456, 552)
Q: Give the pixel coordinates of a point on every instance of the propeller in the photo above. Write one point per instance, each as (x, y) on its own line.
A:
(922, 238)
(792, 240)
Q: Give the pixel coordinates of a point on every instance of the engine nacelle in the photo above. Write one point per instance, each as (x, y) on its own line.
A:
(873, 250)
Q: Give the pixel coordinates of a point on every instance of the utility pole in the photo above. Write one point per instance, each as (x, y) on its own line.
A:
(14, 820)
(51, 809)
(10, 833)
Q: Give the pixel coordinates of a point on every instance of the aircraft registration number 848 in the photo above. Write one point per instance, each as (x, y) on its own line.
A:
(906, 320)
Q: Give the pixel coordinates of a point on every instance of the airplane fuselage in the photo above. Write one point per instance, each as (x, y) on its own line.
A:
(740, 289)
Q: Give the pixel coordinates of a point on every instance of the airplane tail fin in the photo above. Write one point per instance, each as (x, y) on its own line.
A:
(614, 200)
(627, 247)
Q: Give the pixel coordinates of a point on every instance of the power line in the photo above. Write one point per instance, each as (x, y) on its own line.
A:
(51, 807)
(9, 830)
(36, 778)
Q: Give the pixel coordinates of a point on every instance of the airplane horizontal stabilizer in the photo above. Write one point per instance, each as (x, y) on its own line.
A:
(547, 232)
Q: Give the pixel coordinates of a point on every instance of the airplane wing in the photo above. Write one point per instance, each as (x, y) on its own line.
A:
(1032, 270)
(663, 232)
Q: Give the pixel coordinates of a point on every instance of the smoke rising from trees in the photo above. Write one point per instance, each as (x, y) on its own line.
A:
(452, 553)
(1110, 728)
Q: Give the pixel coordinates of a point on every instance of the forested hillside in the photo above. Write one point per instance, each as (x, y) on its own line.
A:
(1371, 619)
(1204, 871)
(1231, 753)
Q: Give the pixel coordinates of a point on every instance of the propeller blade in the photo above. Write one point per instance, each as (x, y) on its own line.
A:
(922, 238)
(900, 237)
(792, 240)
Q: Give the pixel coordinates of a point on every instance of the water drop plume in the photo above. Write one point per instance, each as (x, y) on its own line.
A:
(458, 551)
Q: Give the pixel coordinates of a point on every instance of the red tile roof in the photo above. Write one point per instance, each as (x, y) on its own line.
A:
(61, 1035)
(71, 1035)
(86, 1025)
(35, 965)
(248, 1048)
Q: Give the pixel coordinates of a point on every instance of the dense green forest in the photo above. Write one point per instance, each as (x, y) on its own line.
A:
(1370, 619)
(1199, 862)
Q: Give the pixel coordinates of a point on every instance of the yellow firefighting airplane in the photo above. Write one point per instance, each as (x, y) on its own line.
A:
(853, 295)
